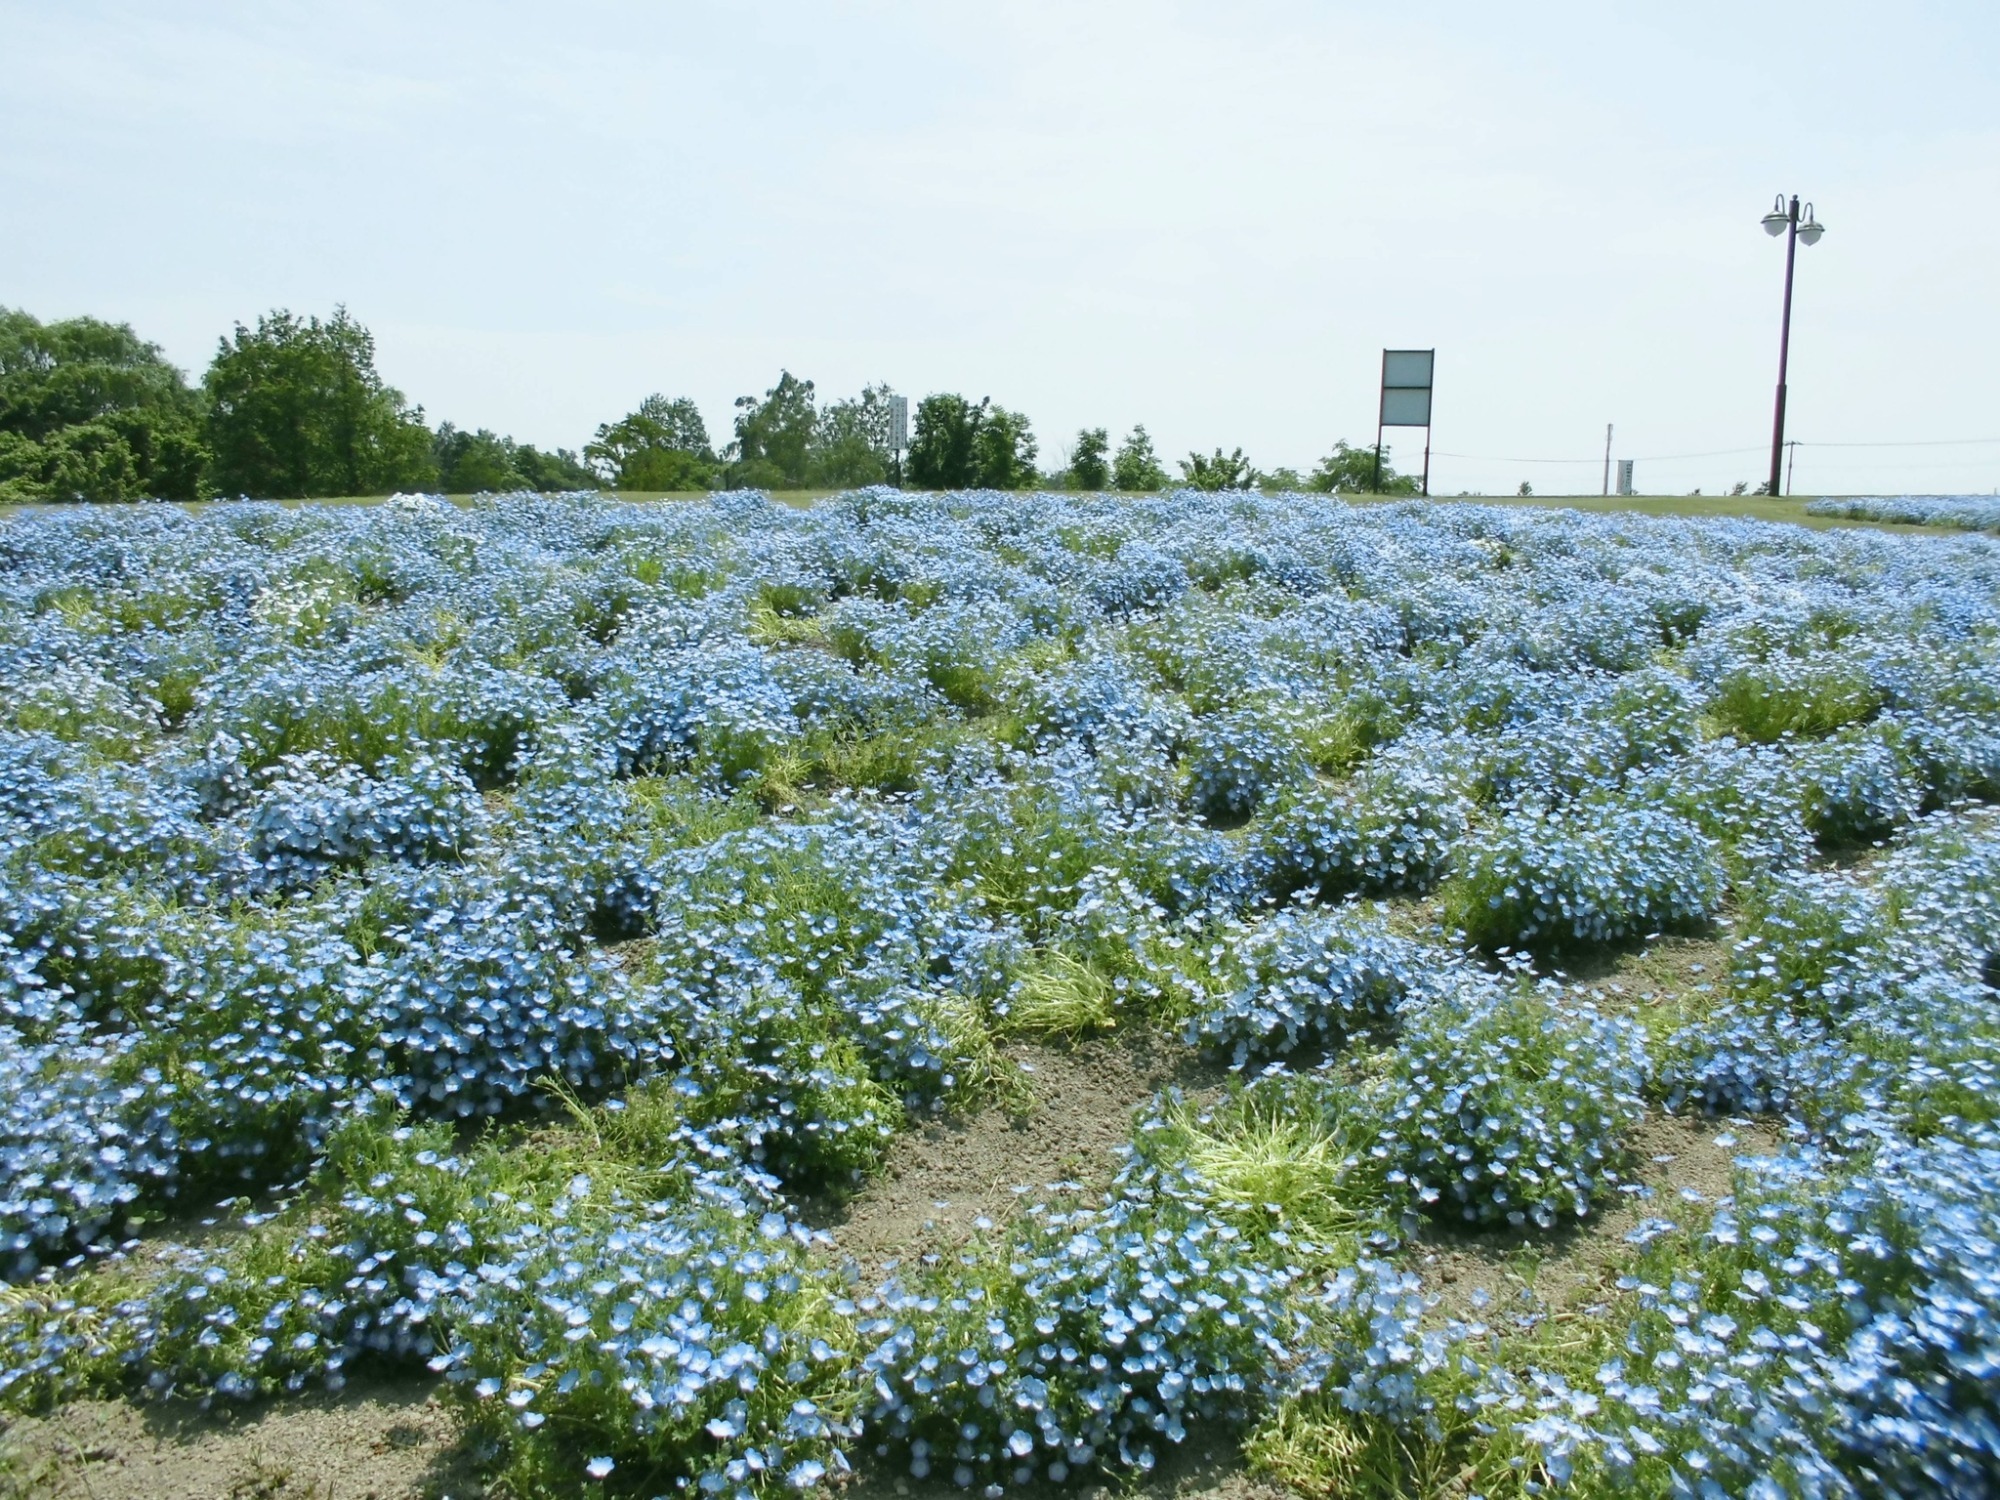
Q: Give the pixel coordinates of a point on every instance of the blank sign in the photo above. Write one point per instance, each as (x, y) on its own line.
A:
(1407, 369)
(1406, 407)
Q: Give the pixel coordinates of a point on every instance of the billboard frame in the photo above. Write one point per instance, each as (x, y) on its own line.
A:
(1406, 373)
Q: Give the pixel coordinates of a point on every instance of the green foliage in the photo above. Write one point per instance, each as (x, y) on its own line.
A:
(551, 472)
(1351, 471)
(1273, 1156)
(958, 445)
(851, 443)
(59, 375)
(1089, 464)
(1317, 1444)
(1058, 996)
(89, 411)
(469, 463)
(942, 455)
(1136, 467)
(1786, 697)
(774, 436)
(663, 445)
(1004, 451)
(296, 409)
(1218, 471)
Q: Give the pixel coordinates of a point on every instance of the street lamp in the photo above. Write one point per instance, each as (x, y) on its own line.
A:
(1784, 219)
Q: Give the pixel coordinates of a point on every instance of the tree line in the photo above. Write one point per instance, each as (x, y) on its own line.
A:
(294, 408)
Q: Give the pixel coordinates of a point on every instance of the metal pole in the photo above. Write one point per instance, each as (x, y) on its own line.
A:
(1381, 395)
(1427, 462)
(1791, 459)
(1607, 460)
(1784, 348)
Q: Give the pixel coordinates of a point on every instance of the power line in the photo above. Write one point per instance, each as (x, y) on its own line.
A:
(1655, 458)
(1926, 443)
(1662, 458)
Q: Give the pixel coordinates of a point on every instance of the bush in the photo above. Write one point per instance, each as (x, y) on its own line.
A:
(1829, 1313)
(1235, 760)
(1393, 829)
(1513, 1111)
(1811, 698)
(1303, 978)
(1592, 875)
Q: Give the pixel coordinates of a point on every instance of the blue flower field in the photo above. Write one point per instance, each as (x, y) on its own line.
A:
(517, 929)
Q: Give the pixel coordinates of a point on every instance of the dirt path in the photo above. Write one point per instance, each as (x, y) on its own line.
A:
(1684, 1165)
(944, 1182)
(381, 1440)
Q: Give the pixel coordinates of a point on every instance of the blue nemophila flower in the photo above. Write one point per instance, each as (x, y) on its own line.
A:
(744, 829)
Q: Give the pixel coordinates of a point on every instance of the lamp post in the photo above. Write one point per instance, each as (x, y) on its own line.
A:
(1784, 219)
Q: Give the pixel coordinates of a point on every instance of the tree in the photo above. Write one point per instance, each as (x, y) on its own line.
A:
(851, 443)
(1218, 472)
(469, 463)
(942, 444)
(1136, 466)
(774, 436)
(90, 411)
(1525, 490)
(1088, 467)
(1281, 481)
(957, 445)
(1351, 471)
(663, 445)
(552, 472)
(296, 409)
(1004, 451)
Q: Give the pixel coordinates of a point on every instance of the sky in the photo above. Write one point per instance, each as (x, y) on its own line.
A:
(1209, 219)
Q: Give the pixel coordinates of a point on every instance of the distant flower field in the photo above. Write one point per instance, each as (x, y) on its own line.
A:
(1961, 512)
(518, 915)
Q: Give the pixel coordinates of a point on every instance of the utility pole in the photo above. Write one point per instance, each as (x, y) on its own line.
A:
(1607, 460)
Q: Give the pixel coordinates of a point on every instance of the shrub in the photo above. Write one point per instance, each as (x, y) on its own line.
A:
(1596, 874)
(1854, 789)
(1303, 978)
(1236, 759)
(1510, 1111)
(317, 815)
(1393, 829)
(1811, 698)
(1829, 1313)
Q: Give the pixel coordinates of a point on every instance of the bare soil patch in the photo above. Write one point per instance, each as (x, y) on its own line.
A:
(380, 1440)
(1684, 1165)
(1209, 1465)
(944, 1182)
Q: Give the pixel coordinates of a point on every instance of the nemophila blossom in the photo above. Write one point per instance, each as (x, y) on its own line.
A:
(1503, 1108)
(1593, 874)
(1306, 978)
(1966, 512)
(732, 838)
(1393, 828)
(317, 814)
(1832, 1332)
(1238, 758)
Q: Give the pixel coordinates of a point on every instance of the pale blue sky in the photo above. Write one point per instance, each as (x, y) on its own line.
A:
(1209, 218)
